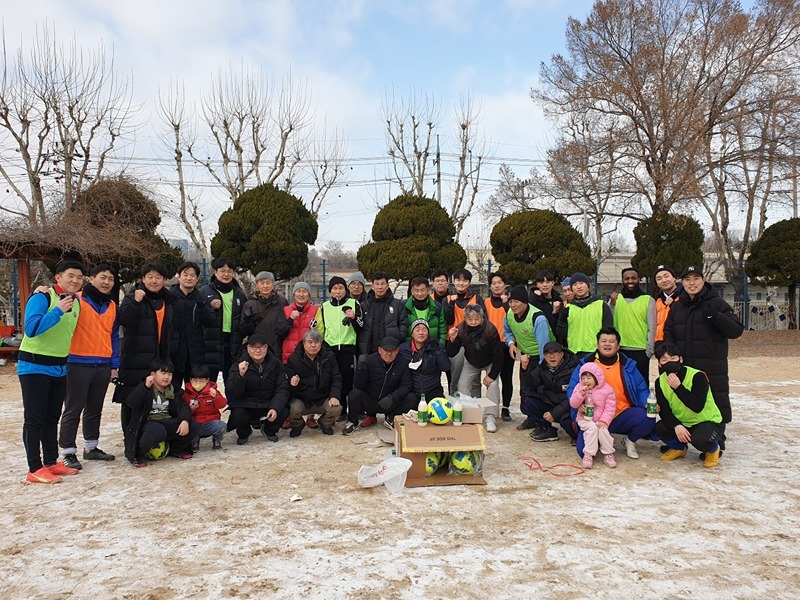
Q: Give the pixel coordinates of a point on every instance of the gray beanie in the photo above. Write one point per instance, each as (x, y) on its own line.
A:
(357, 276)
(265, 276)
(301, 285)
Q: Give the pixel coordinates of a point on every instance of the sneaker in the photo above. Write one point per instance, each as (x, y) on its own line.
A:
(368, 421)
(388, 422)
(702, 455)
(588, 461)
(272, 437)
(325, 429)
(61, 469)
(672, 454)
(545, 434)
(312, 423)
(630, 448)
(43, 475)
(526, 424)
(350, 428)
(139, 463)
(610, 461)
(491, 424)
(506, 415)
(296, 431)
(97, 454)
(71, 461)
(287, 424)
(216, 445)
(241, 441)
(712, 459)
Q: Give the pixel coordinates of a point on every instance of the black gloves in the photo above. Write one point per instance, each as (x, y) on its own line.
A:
(362, 361)
(385, 403)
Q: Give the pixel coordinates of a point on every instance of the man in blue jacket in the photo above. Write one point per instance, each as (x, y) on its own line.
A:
(629, 386)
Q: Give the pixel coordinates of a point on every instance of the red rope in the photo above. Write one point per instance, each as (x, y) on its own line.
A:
(535, 465)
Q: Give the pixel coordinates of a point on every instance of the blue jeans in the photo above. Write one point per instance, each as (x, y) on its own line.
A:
(534, 407)
(213, 429)
(632, 422)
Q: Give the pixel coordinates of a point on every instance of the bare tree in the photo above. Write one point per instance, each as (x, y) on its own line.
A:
(63, 111)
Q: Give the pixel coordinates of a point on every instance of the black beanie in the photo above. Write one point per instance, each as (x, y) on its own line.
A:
(336, 279)
(518, 293)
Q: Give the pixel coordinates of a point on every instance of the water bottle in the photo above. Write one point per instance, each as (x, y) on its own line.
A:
(422, 411)
(589, 414)
(651, 404)
(457, 413)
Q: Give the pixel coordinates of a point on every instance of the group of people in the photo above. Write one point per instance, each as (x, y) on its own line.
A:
(583, 362)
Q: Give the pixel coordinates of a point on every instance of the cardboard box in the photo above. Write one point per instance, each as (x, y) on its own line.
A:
(473, 408)
(414, 442)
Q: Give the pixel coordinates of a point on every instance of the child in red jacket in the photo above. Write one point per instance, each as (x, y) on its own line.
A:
(207, 404)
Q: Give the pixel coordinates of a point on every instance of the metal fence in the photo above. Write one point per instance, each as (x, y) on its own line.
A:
(763, 316)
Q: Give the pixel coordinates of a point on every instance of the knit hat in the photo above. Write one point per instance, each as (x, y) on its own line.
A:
(566, 282)
(691, 270)
(357, 276)
(301, 285)
(576, 277)
(518, 293)
(667, 268)
(336, 280)
(265, 276)
(420, 322)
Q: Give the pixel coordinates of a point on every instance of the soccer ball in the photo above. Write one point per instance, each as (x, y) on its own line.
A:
(433, 460)
(158, 451)
(440, 411)
(464, 462)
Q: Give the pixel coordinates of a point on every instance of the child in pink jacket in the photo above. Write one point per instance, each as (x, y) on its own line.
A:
(594, 390)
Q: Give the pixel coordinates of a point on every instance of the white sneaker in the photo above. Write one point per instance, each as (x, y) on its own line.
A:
(491, 424)
(630, 448)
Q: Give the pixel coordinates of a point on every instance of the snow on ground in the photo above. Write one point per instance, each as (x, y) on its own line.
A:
(222, 525)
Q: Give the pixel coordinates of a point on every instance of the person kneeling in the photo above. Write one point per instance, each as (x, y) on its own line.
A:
(158, 414)
(316, 384)
(686, 405)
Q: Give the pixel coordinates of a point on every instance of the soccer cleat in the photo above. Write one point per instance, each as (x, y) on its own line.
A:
(62, 469)
(610, 461)
(712, 459)
(544, 434)
(368, 421)
(71, 461)
(43, 475)
(588, 461)
(491, 424)
(350, 428)
(630, 448)
(97, 454)
(312, 423)
(673, 454)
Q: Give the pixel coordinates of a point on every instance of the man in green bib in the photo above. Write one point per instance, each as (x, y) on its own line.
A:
(582, 318)
(686, 405)
(635, 319)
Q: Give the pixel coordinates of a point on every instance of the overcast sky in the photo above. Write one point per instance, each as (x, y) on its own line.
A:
(350, 53)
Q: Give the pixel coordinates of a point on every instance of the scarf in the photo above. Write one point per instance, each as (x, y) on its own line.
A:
(96, 295)
(634, 293)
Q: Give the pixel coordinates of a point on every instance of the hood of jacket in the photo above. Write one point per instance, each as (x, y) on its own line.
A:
(594, 369)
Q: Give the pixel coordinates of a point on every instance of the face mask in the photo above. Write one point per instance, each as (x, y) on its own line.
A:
(198, 387)
(672, 366)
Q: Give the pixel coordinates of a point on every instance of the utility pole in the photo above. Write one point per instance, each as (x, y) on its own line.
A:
(439, 173)
(324, 286)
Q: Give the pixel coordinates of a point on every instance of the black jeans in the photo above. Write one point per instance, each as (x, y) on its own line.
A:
(86, 391)
(155, 432)
(534, 408)
(42, 399)
(346, 359)
(243, 420)
(507, 378)
(705, 435)
(360, 402)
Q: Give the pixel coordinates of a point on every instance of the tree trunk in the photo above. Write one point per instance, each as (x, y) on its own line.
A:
(792, 311)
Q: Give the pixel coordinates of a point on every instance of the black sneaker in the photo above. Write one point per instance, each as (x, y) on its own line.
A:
(545, 434)
(325, 430)
(526, 424)
(506, 415)
(241, 441)
(273, 437)
(350, 428)
(388, 423)
(97, 454)
(295, 432)
(71, 461)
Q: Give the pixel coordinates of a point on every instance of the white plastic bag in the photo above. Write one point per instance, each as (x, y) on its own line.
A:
(391, 473)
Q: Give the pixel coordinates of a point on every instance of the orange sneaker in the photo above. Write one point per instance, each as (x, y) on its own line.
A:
(62, 469)
(43, 475)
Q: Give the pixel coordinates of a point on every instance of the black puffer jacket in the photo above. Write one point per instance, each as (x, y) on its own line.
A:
(136, 409)
(544, 304)
(551, 386)
(320, 379)
(382, 317)
(482, 347)
(261, 315)
(213, 335)
(377, 379)
(140, 341)
(427, 378)
(264, 386)
(701, 328)
(190, 315)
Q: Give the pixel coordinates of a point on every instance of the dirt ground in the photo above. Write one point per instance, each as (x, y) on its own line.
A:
(223, 525)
